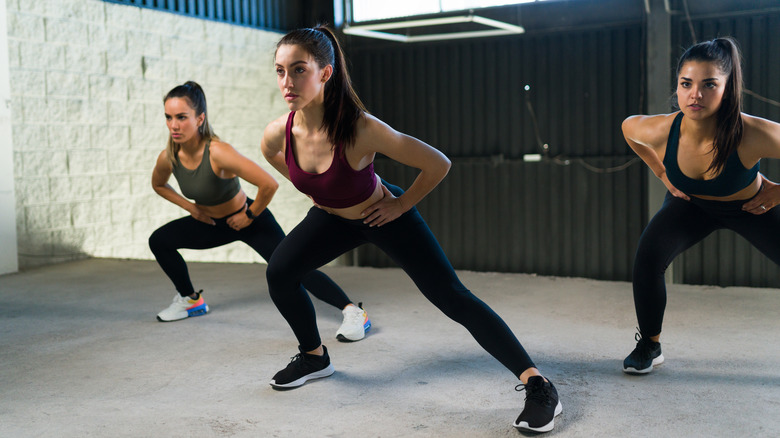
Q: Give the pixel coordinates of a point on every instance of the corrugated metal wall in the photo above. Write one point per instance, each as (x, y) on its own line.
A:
(467, 99)
(278, 15)
(725, 258)
(270, 14)
(495, 212)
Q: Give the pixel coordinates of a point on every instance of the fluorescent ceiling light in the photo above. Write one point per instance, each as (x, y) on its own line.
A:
(373, 30)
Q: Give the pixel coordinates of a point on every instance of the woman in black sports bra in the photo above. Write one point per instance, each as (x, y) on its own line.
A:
(208, 170)
(707, 155)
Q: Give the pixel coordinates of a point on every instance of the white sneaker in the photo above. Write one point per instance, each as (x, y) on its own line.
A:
(355, 324)
(183, 307)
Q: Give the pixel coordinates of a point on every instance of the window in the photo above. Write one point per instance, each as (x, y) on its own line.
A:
(368, 10)
(447, 26)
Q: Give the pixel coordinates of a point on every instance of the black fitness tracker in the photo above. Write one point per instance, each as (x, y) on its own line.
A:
(249, 213)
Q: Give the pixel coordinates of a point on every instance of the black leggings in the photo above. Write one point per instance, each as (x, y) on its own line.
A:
(263, 235)
(321, 237)
(677, 226)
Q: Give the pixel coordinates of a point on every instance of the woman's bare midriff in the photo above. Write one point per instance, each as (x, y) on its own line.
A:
(226, 208)
(354, 211)
(742, 195)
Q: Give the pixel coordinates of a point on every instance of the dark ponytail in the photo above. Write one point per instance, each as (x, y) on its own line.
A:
(193, 93)
(343, 108)
(724, 52)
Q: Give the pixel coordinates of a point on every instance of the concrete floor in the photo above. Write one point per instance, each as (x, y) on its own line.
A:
(81, 355)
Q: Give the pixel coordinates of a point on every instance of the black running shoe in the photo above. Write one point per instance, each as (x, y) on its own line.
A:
(301, 368)
(541, 406)
(645, 356)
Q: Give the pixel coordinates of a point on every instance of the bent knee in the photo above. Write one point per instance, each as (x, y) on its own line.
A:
(456, 303)
(278, 273)
(157, 241)
(651, 259)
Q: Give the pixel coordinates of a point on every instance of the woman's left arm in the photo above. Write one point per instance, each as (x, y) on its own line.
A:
(407, 150)
(761, 137)
(762, 140)
(230, 162)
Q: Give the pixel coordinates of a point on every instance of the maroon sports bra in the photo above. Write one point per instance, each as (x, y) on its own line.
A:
(340, 186)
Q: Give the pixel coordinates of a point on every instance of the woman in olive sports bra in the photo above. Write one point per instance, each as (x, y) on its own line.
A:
(207, 171)
(707, 155)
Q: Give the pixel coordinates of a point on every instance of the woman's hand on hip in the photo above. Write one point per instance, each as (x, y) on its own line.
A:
(239, 220)
(765, 200)
(387, 209)
(672, 189)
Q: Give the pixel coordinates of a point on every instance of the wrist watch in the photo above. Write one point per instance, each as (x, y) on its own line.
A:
(249, 213)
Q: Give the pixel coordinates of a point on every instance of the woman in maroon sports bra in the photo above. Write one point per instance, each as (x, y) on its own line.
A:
(326, 147)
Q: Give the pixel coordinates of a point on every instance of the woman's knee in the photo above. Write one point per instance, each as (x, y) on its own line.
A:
(650, 259)
(453, 301)
(157, 241)
(280, 274)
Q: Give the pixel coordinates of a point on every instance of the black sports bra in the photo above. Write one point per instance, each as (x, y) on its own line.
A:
(732, 179)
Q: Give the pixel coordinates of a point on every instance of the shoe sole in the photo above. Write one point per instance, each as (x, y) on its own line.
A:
(325, 372)
(190, 313)
(657, 361)
(366, 328)
(523, 426)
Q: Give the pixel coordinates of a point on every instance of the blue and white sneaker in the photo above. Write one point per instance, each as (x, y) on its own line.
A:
(355, 324)
(183, 307)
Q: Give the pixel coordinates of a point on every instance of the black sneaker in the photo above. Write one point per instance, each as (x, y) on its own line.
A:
(541, 406)
(303, 367)
(645, 356)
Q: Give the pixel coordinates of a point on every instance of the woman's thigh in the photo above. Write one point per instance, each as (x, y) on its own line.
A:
(317, 240)
(189, 233)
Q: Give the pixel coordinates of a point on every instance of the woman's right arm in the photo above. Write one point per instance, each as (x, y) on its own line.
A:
(647, 136)
(272, 145)
(160, 176)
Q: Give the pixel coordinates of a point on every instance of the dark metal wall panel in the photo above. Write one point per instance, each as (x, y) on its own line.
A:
(278, 15)
(529, 217)
(467, 97)
(724, 258)
(495, 212)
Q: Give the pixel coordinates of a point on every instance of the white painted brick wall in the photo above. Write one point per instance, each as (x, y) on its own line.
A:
(87, 81)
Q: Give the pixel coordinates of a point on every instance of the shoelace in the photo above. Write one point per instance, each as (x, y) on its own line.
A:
(643, 345)
(538, 393)
(296, 358)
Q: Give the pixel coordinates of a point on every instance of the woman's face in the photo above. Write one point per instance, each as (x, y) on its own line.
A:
(300, 79)
(700, 89)
(181, 120)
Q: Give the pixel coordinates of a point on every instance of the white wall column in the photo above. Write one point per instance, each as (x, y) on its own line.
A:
(9, 261)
